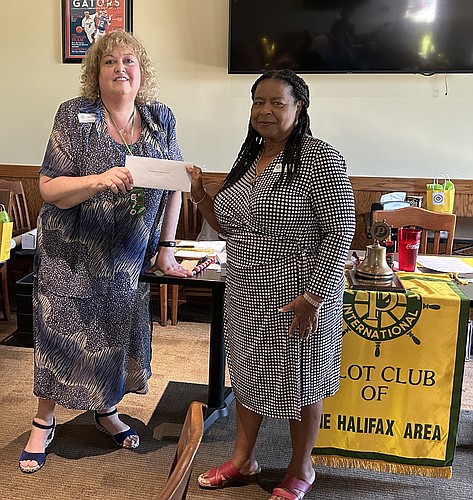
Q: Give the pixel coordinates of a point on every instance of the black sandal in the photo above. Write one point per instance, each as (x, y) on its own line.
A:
(120, 437)
(39, 458)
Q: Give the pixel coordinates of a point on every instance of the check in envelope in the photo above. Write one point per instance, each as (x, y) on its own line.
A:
(159, 174)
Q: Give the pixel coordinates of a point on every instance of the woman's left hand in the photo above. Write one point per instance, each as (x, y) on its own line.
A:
(167, 264)
(306, 317)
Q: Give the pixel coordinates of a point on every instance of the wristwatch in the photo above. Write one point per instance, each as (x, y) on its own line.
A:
(167, 244)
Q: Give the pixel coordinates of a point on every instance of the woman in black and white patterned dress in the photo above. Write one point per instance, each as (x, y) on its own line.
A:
(287, 211)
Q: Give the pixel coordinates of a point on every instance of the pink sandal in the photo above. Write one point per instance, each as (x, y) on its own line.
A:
(226, 475)
(292, 488)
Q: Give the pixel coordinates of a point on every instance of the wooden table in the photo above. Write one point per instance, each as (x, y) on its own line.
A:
(218, 396)
(468, 290)
(387, 338)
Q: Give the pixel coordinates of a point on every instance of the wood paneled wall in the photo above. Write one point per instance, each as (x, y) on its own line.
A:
(367, 191)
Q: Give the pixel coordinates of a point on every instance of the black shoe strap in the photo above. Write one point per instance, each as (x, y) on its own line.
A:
(109, 414)
(42, 426)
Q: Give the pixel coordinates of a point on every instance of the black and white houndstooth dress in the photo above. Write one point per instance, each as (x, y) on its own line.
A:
(281, 243)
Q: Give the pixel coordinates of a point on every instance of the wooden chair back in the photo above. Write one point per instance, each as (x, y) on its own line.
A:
(425, 219)
(190, 225)
(19, 208)
(191, 219)
(6, 200)
(189, 442)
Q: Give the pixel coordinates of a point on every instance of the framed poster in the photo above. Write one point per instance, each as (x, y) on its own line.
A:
(85, 21)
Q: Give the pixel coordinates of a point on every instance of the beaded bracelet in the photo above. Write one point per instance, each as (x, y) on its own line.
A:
(197, 202)
(311, 301)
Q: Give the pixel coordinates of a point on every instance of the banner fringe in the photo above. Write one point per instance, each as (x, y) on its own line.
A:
(381, 466)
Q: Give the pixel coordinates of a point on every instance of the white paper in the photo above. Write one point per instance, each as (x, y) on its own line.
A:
(159, 174)
(216, 245)
(190, 254)
(444, 264)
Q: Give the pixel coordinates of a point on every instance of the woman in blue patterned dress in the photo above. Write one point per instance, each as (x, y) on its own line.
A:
(96, 235)
(287, 211)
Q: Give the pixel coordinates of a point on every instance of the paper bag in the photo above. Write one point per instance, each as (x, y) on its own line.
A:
(6, 229)
(440, 196)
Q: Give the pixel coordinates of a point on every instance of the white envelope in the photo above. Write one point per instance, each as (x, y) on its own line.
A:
(159, 174)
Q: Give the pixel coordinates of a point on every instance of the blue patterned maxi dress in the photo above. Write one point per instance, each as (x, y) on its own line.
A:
(92, 329)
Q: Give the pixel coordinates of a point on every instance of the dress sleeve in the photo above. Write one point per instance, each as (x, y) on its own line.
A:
(173, 145)
(334, 208)
(59, 156)
(162, 121)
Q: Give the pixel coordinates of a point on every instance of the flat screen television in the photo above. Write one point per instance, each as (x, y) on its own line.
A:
(351, 36)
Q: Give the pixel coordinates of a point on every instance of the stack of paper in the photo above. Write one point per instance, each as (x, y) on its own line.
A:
(215, 246)
(190, 249)
(446, 264)
(192, 254)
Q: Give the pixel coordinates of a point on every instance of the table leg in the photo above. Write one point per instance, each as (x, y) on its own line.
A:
(218, 397)
(163, 302)
(174, 303)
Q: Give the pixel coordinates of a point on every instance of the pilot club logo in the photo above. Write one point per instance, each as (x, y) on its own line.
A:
(382, 316)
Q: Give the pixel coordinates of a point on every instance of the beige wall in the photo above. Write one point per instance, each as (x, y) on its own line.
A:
(385, 125)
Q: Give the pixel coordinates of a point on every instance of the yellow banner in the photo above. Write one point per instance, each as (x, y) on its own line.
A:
(402, 367)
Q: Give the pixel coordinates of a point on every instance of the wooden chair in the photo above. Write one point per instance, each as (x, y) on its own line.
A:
(189, 228)
(21, 262)
(191, 218)
(19, 208)
(168, 293)
(189, 442)
(425, 219)
(6, 201)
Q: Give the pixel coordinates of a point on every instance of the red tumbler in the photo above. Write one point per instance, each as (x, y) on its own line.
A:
(408, 243)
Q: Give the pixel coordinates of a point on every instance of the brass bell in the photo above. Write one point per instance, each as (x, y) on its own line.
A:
(374, 265)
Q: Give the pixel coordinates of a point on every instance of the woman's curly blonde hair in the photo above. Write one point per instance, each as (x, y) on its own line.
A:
(89, 79)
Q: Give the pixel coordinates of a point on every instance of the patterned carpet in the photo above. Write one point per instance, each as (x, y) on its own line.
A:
(85, 463)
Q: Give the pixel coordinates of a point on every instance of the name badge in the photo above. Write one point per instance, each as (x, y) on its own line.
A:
(87, 117)
(277, 168)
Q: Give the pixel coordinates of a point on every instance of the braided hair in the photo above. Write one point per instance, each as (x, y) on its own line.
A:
(253, 144)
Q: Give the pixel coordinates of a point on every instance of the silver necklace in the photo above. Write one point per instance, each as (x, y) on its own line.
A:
(122, 131)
